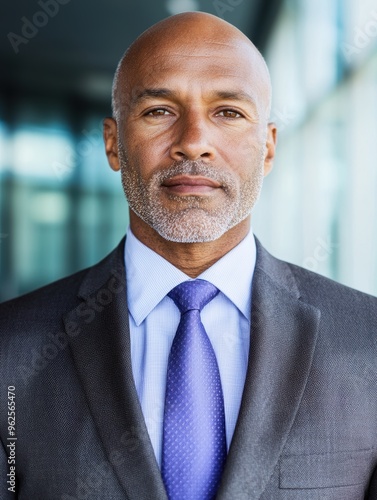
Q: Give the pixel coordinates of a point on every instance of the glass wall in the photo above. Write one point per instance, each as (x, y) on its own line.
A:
(319, 204)
(62, 208)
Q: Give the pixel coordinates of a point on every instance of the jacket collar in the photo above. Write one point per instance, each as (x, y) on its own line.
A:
(283, 336)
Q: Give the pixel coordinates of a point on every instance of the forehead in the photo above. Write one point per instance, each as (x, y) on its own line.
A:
(204, 64)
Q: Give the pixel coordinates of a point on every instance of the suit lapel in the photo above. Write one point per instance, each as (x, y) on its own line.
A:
(283, 336)
(98, 332)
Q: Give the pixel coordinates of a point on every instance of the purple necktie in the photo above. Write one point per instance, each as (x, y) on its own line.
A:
(194, 440)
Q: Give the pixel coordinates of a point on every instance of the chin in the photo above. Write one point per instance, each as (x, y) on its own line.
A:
(191, 233)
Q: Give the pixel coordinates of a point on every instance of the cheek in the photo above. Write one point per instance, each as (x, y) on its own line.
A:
(251, 147)
(147, 151)
(241, 146)
(243, 158)
(141, 158)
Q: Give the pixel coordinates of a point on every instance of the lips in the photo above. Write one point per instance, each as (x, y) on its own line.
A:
(187, 184)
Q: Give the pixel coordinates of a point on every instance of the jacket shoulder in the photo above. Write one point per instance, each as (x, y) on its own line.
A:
(44, 301)
(337, 301)
(349, 312)
(315, 286)
(50, 302)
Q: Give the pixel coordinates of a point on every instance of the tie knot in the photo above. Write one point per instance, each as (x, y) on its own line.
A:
(193, 295)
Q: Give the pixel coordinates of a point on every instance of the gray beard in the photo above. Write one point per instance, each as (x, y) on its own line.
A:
(194, 221)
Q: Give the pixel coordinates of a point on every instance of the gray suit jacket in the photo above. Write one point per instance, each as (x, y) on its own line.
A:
(307, 427)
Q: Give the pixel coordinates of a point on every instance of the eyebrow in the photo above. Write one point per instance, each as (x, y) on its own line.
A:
(236, 95)
(152, 93)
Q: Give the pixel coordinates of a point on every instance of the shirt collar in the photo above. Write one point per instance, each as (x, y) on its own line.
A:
(150, 277)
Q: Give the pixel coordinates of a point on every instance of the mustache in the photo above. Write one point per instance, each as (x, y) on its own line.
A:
(183, 167)
(194, 168)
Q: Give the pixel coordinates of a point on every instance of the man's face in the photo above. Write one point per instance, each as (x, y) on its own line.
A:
(192, 140)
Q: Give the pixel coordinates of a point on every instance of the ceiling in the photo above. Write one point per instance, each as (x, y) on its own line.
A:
(79, 42)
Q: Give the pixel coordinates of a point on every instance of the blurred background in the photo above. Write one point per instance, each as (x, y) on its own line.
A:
(62, 208)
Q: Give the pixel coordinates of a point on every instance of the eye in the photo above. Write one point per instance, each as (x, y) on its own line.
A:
(230, 113)
(158, 112)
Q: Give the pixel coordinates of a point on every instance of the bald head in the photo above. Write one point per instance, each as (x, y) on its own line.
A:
(191, 135)
(195, 34)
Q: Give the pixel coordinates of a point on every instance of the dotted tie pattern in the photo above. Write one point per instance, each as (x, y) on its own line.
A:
(194, 439)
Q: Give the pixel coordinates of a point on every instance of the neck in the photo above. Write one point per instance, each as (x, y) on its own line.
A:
(190, 258)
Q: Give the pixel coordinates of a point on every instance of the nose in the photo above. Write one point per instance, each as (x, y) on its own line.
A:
(192, 139)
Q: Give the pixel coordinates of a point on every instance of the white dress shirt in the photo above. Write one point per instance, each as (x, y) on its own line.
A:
(154, 320)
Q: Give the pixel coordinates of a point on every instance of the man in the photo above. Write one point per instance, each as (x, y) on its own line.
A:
(190, 363)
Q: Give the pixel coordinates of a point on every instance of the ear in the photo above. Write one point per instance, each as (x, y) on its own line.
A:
(110, 136)
(270, 147)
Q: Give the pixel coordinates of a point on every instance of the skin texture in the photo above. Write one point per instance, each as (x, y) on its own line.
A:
(190, 134)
